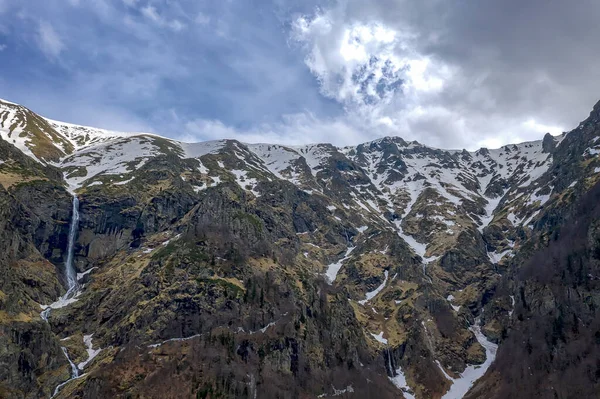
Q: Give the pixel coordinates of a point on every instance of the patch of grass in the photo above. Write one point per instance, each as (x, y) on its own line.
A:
(252, 219)
(6, 317)
(165, 252)
(227, 286)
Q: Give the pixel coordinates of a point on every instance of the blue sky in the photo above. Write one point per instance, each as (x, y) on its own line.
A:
(293, 72)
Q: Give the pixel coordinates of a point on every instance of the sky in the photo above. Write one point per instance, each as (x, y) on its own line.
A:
(449, 74)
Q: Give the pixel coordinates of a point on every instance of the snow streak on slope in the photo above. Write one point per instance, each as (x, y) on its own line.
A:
(12, 125)
(376, 291)
(314, 155)
(91, 352)
(461, 385)
(457, 176)
(280, 160)
(400, 381)
(334, 268)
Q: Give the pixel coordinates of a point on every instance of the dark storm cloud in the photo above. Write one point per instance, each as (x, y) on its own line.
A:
(514, 60)
(445, 73)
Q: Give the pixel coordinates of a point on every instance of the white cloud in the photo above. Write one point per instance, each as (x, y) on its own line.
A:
(366, 63)
(295, 129)
(532, 124)
(202, 19)
(152, 14)
(49, 41)
(176, 25)
(130, 3)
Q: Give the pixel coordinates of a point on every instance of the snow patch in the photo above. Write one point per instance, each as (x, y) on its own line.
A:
(337, 392)
(400, 382)
(461, 385)
(376, 291)
(244, 181)
(81, 275)
(379, 338)
(496, 257)
(334, 268)
(512, 301)
(362, 229)
(92, 353)
(197, 150)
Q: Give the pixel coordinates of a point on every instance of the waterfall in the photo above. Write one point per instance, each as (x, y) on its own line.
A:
(390, 367)
(72, 287)
(74, 369)
(69, 267)
(70, 273)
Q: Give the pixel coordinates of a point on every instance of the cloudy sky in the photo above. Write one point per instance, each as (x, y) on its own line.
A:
(451, 74)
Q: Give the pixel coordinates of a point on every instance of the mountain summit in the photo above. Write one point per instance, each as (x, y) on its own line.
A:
(227, 269)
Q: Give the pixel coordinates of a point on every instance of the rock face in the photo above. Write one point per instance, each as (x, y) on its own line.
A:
(224, 269)
(34, 217)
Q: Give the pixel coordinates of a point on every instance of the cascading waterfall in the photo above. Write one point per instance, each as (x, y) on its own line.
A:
(70, 272)
(74, 369)
(69, 267)
(390, 367)
(72, 286)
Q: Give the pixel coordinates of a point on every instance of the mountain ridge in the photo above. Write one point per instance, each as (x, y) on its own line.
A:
(320, 267)
(116, 133)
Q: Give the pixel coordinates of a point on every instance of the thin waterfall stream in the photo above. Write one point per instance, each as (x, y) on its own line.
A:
(69, 267)
(72, 286)
(70, 273)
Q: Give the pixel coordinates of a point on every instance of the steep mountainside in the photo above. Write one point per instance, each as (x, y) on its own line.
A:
(225, 269)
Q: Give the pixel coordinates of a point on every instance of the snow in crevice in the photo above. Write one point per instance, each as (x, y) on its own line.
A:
(450, 298)
(92, 353)
(490, 207)
(376, 291)
(124, 182)
(496, 257)
(244, 181)
(278, 160)
(542, 198)
(512, 302)
(530, 219)
(265, 328)
(461, 385)
(379, 338)
(82, 275)
(334, 268)
(399, 380)
(174, 340)
(337, 392)
(314, 155)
